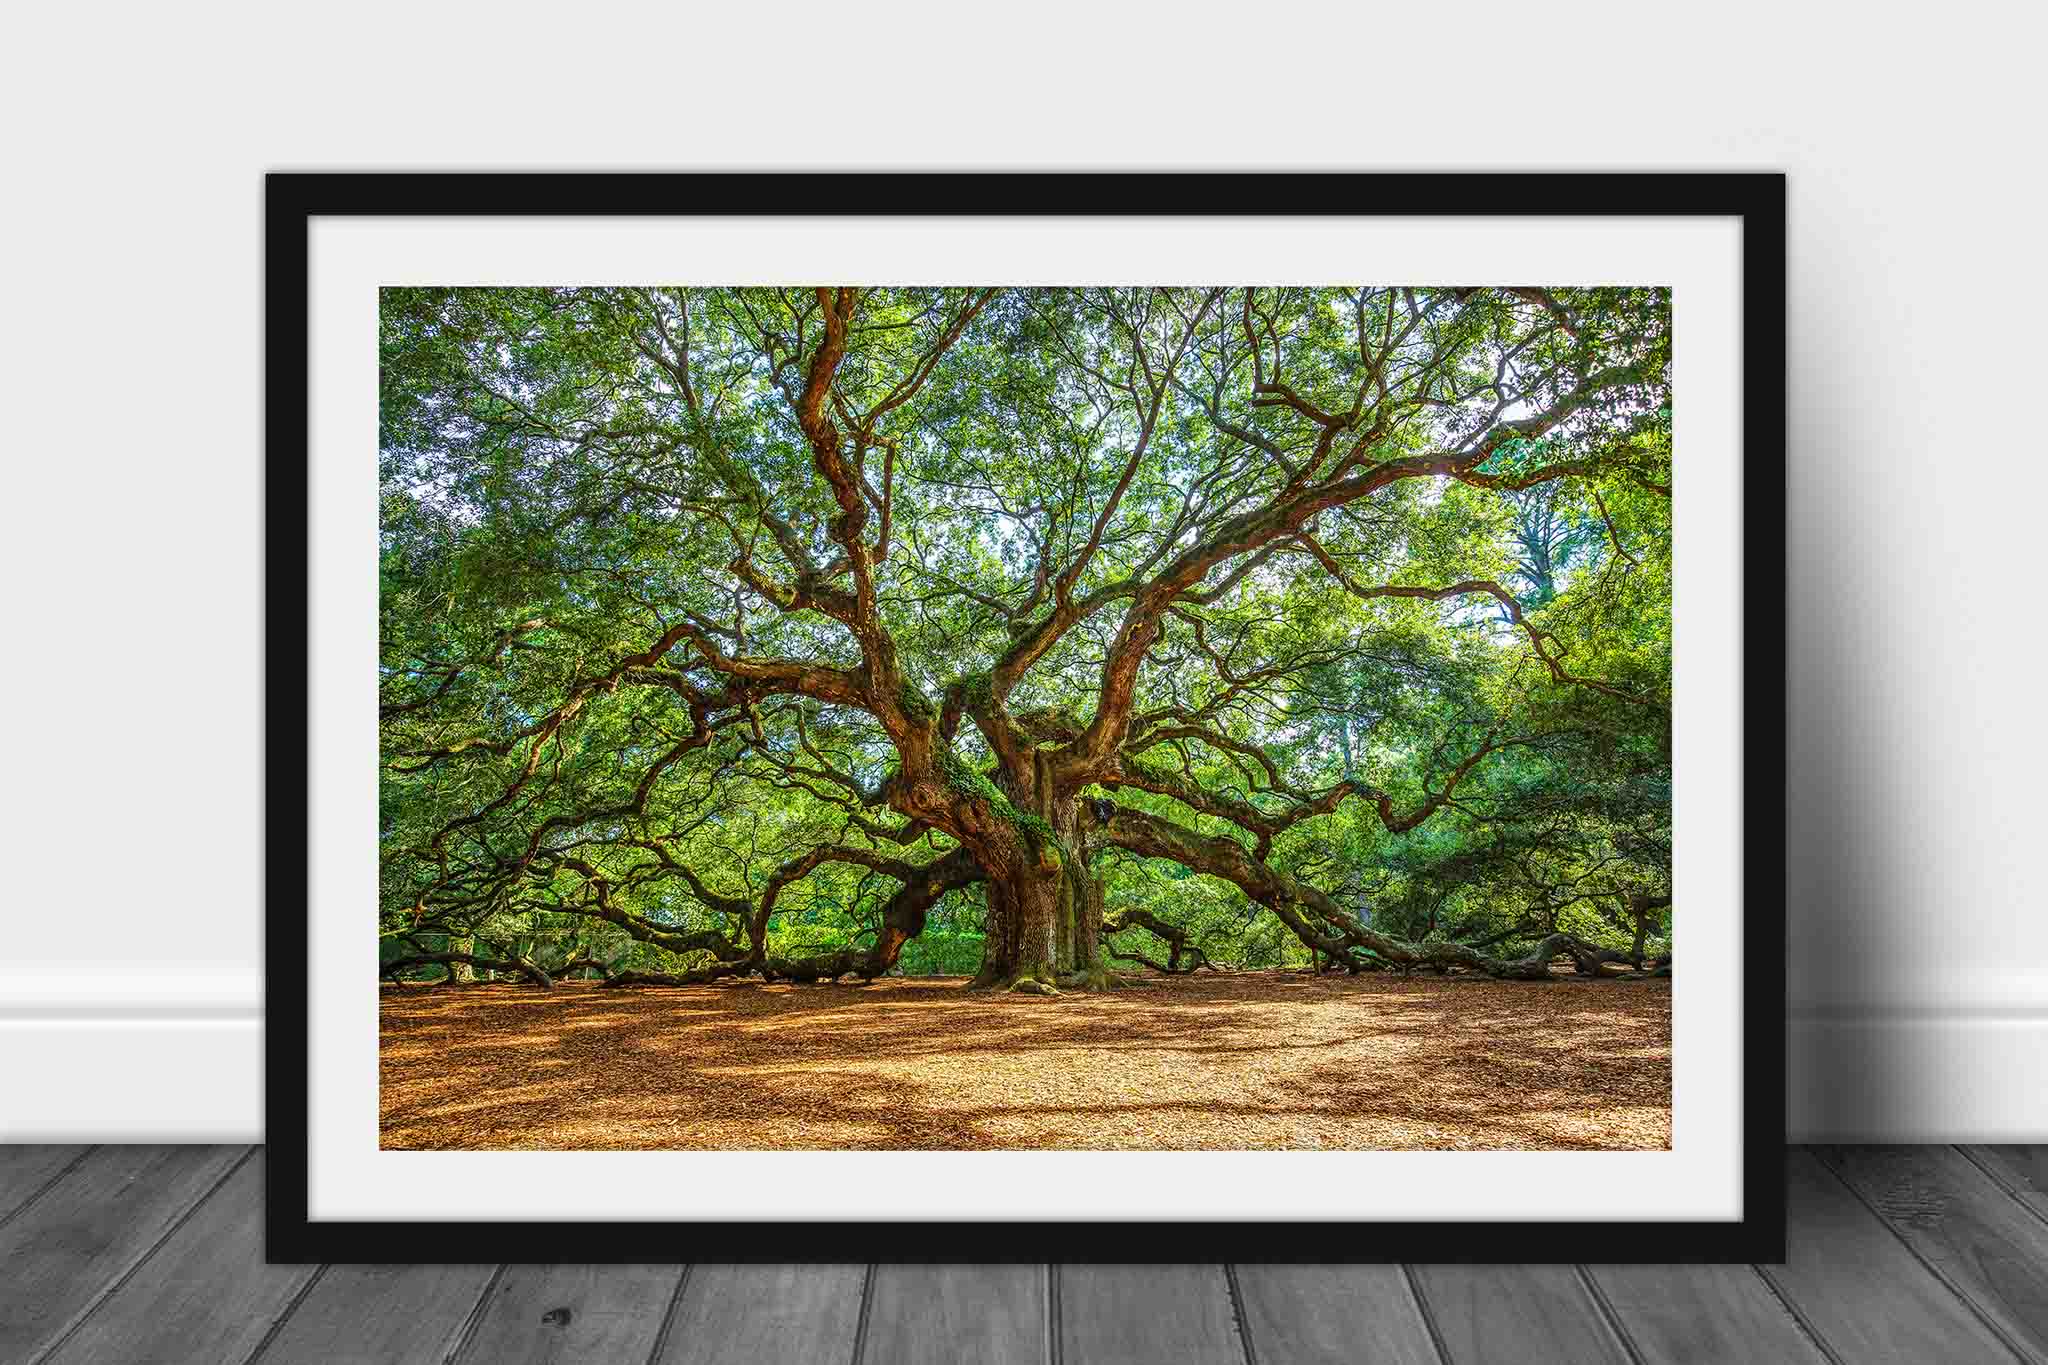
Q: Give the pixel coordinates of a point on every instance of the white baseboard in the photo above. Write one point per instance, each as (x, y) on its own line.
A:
(1918, 1077)
(91, 1055)
(171, 1078)
(132, 1059)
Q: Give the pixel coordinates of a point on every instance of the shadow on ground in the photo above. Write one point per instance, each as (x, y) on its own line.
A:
(1253, 1060)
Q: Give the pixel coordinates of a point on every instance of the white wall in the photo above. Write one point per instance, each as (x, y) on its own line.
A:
(130, 352)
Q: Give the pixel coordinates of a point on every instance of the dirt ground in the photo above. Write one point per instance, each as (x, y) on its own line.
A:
(1253, 1060)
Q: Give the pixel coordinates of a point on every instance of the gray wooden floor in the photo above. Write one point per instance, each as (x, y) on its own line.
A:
(154, 1254)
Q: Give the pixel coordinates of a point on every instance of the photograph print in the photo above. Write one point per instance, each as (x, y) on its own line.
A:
(1025, 718)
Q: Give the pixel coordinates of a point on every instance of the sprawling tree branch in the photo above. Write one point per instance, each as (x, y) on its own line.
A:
(688, 593)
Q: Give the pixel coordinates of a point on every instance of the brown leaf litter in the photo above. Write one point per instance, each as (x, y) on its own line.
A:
(1261, 1060)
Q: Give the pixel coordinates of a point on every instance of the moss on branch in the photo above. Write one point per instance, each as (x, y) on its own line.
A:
(962, 777)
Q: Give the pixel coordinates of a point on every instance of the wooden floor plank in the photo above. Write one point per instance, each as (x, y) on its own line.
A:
(2021, 1170)
(90, 1228)
(940, 1314)
(381, 1315)
(1333, 1315)
(155, 1252)
(1854, 1283)
(554, 1314)
(26, 1169)
(1989, 1247)
(1531, 1314)
(1147, 1315)
(204, 1297)
(1688, 1313)
(791, 1314)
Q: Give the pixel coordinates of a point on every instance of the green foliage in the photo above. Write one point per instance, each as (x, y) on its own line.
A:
(570, 474)
(939, 954)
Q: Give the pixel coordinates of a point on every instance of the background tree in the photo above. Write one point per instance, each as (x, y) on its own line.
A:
(757, 630)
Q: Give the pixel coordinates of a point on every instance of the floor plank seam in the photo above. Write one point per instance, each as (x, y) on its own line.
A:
(1055, 1343)
(285, 1314)
(129, 1272)
(45, 1187)
(1238, 1315)
(867, 1304)
(2005, 1180)
(1603, 1309)
(1049, 1325)
(1428, 1314)
(1809, 1329)
(668, 1318)
(1956, 1291)
(475, 1320)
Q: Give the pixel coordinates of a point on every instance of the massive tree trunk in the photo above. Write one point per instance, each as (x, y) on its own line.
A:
(1081, 961)
(1021, 950)
(1044, 902)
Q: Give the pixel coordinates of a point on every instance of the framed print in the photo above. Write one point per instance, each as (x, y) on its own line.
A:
(1027, 717)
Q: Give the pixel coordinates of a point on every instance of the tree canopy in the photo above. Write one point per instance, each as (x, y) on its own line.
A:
(1037, 633)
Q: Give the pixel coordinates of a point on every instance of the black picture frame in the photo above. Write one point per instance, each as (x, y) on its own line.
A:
(292, 200)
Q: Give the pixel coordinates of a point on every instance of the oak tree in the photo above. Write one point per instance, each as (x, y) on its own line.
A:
(703, 609)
